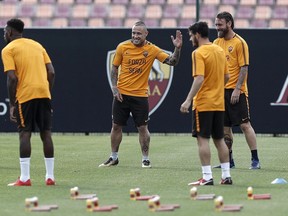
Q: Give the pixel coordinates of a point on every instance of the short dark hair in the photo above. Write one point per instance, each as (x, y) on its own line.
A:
(200, 28)
(16, 24)
(227, 16)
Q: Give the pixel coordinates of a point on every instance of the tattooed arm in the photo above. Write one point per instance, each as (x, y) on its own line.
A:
(177, 41)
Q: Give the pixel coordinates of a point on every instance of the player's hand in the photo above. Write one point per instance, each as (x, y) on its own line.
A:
(12, 114)
(177, 41)
(235, 96)
(185, 107)
(117, 95)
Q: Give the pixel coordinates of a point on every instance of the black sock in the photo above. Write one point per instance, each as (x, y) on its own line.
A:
(254, 154)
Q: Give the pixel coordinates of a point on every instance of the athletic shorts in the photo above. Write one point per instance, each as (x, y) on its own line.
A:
(137, 106)
(208, 123)
(236, 114)
(36, 112)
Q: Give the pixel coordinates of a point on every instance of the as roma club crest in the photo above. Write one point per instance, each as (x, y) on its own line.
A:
(160, 80)
(283, 97)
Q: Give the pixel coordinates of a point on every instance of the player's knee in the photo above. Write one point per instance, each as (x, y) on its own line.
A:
(228, 140)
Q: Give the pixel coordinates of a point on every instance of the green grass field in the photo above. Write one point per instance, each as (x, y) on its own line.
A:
(175, 163)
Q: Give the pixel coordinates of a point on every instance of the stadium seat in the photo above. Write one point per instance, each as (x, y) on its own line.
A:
(44, 11)
(96, 22)
(158, 2)
(129, 22)
(137, 2)
(277, 23)
(229, 2)
(189, 2)
(228, 8)
(114, 23)
(263, 12)
(41, 22)
(84, 2)
(26, 10)
(135, 11)
(65, 2)
(29, 1)
(125, 2)
(180, 2)
(80, 11)
(171, 11)
(168, 23)
(59, 22)
(211, 2)
(153, 12)
(259, 23)
(102, 2)
(208, 11)
(3, 22)
(188, 11)
(62, 10)
(8, 10)
(151, 23)
(10, 1)
(241, 23)
(27, 21)
(47, 1)
(244, 12)
(77, 22)
(280, 12)
(117, 11)
(282, 2)
(248, 2)
(266, 2)
(185, 23)
(99, 11)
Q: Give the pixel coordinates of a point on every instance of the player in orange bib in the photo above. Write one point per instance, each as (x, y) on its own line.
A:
(130, 87)
(236, 91)
(30, 78)
(210, 73)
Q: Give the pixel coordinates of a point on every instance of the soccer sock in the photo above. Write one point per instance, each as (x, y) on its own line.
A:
(207, 172)
(225, 168)
(114, 155)
(145, 158)
(254, 154)
(25, 169)
(49, 164)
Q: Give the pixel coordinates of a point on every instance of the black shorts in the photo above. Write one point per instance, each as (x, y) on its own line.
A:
(137, 106)
(208, 123)
(36, 112)
(236, 114)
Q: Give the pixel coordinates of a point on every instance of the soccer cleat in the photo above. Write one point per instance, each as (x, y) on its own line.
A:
(226, 181)
(146, 164)
(20, 183)
(202, 182)
(255, 164)
(50, 182)
(110, 162)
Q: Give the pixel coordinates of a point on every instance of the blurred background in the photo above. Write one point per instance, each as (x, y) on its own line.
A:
(156, 13)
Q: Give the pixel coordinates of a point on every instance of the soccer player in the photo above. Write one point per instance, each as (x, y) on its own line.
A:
(236, 91)
(130, 87)
(210, 72)
(30, 78)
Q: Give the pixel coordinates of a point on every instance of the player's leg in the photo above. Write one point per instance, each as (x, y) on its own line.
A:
(120, 115)
(44, 122)
(201, 128)
(222, 149)
(248, 131)
(140, 113)
(24, 115)
(228, 139)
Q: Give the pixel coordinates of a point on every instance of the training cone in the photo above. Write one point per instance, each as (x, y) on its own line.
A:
(279, 181)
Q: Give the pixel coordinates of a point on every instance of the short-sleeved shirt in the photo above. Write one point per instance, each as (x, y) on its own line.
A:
(136, 63)
(28, 59)
(209, 61)
(237, 55)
